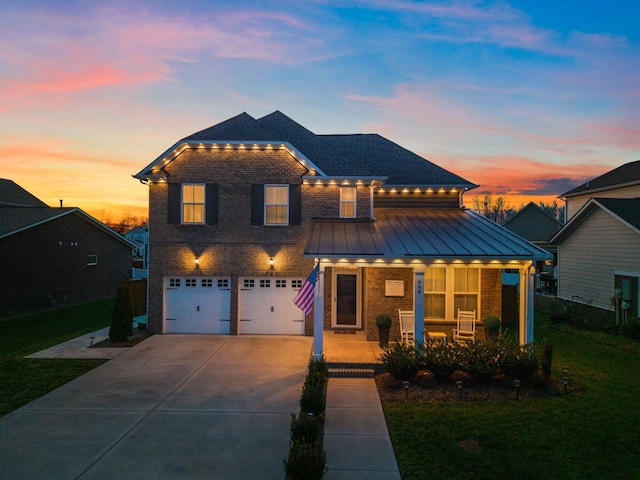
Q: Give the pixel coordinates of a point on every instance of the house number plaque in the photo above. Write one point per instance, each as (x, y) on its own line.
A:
(394, 288)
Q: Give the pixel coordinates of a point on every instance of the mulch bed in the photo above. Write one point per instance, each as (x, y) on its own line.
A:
(135, 339)
(426, 388)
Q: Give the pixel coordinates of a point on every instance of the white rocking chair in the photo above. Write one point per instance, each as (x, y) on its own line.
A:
(406, 326)
(466, 331)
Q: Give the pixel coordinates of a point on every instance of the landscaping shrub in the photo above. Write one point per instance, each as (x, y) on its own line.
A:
(479, 359)
(122, 316)
(441, 359)
(401, 361)
(313, 391)
(517, 361)
(305, 461)
(305, 428)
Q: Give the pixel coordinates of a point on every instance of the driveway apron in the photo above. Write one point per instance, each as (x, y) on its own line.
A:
(174, 406)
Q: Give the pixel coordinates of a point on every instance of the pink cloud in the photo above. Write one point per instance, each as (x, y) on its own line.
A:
(115, 47)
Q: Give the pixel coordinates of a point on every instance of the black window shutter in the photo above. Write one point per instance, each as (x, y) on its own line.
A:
(295, 205)
(257, 204)
(211, 207)
(173, 203)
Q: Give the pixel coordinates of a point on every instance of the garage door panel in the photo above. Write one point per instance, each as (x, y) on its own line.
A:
(197, 305)
(266, 306)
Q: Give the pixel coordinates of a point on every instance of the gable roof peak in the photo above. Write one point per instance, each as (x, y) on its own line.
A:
(626, 174)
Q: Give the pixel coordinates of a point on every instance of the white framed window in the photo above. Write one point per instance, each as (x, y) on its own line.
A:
(193, 203)
(466, 287)
(276, 204)
(435, 293)
(347, 202)
(92, 260)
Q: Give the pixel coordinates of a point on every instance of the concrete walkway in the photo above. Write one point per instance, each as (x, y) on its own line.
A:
(356, 439)
(79, 348)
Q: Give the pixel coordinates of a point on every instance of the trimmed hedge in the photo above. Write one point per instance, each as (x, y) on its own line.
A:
(307, 459)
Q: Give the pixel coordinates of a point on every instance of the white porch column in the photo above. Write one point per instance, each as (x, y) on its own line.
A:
(318, 316)
(527, 314)
(418, 307)
(530, 304)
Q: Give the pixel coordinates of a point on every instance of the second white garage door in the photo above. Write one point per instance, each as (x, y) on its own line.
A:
(265, 306)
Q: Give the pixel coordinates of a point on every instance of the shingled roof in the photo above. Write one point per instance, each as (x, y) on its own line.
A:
(335, 155)
(627, 210)
(627, 174)
(13, 195)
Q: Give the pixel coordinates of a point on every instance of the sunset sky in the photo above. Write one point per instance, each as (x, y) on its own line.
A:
(526, 98)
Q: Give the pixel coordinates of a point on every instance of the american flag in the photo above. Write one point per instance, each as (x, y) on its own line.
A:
(304, 298)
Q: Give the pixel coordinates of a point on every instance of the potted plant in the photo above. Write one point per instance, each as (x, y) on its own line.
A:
(383, 322)
(491, 325)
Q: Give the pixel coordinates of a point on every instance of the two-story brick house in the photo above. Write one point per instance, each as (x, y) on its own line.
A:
(241, 212)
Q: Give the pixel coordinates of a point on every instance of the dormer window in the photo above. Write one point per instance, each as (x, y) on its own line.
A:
(193, 203)
(347, 202)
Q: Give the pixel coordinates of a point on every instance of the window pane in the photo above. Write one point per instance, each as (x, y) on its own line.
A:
(187, 193)
(473, 274)
(281, 214)
(348, 210)
(198, 193)
(348, 193)
(465, 302)
(435, 280)
(270, 197)
(281, 195)
(434, 306)
(271, 215)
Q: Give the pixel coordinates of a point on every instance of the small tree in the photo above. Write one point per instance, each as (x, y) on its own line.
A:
(122, 316)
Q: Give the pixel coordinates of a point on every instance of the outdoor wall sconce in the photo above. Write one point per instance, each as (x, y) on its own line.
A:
(459, 385)
(517, 384)
(272, 270)
(197, 262)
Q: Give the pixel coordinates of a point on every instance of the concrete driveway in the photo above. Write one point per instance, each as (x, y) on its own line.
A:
(174, 406)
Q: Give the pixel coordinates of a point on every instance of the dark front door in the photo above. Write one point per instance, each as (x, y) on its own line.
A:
(346, 300)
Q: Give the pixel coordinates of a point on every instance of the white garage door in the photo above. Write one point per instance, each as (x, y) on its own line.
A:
(197, 304)
(266, 306)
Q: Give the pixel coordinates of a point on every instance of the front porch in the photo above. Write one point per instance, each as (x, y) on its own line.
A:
(350, 348)
(433, 263)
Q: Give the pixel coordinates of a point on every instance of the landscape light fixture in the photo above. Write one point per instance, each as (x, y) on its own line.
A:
(406, 384)
(92, 339)
(517, 383)
(565, 381)
(459, 385)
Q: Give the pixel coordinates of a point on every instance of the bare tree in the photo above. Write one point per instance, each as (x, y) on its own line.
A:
(497, 210)
(553, 209)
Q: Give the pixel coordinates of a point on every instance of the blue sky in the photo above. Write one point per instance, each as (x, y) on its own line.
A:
(527, 99)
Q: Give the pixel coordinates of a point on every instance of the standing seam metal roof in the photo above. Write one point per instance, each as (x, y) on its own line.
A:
(420, 233)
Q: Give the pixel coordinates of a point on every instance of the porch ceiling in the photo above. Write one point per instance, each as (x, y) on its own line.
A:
(420, 233)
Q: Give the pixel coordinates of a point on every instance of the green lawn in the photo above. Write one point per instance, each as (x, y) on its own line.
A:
(592, 433)
(22, 379)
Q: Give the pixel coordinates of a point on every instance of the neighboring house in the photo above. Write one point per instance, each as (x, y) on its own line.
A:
(241, 212)
(599, 247)
(53, 256)
(139, 235)
(621, 182)
(537, 226)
